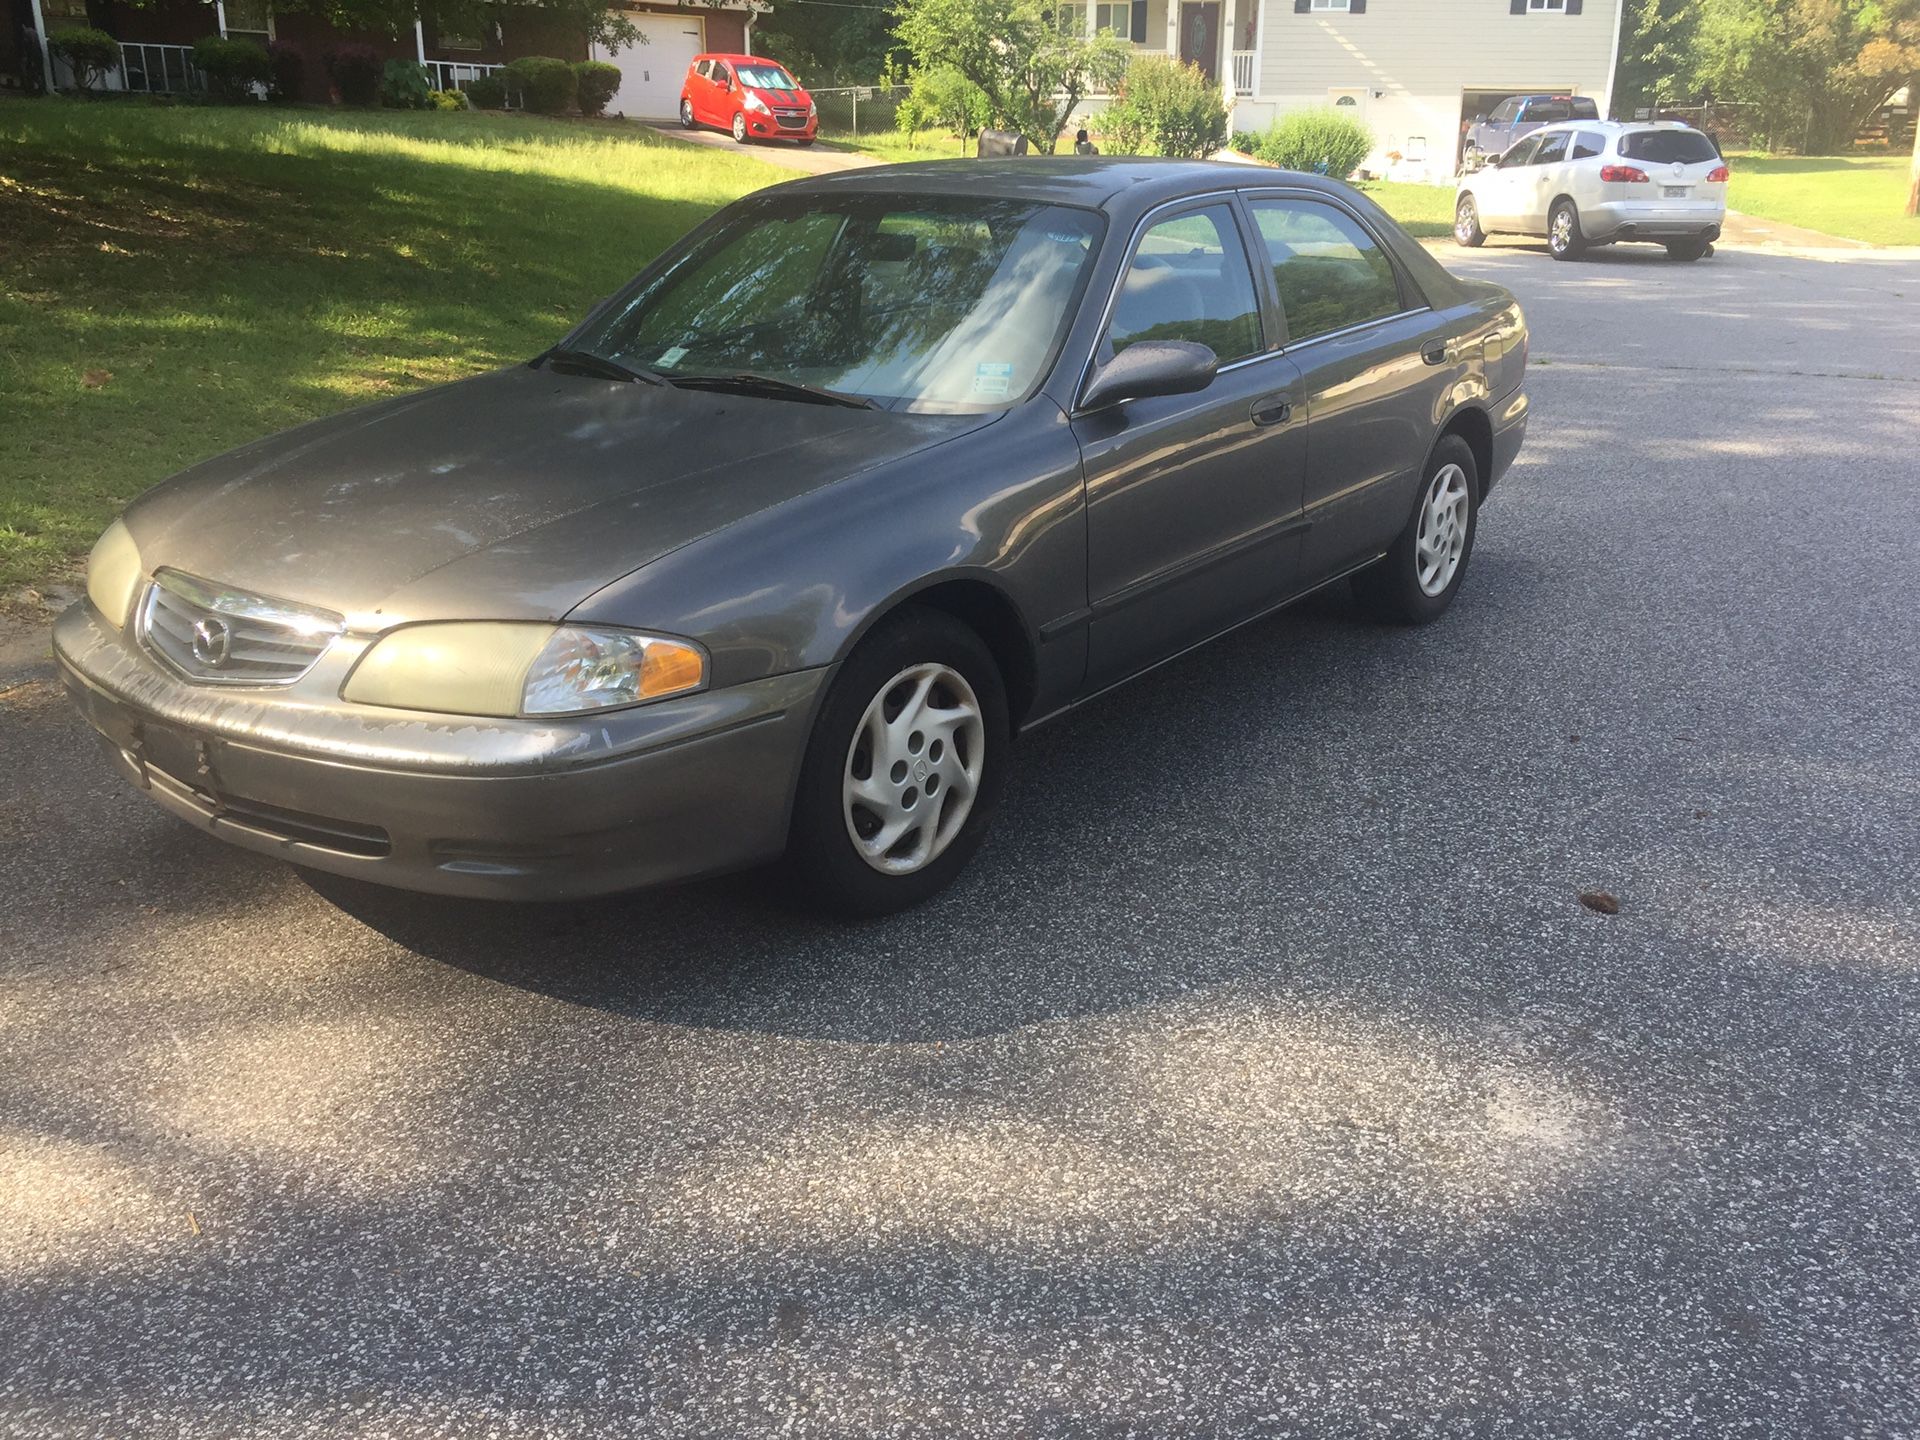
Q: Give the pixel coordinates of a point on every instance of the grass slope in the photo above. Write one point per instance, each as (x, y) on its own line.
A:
(176, 281)
(1860, 197)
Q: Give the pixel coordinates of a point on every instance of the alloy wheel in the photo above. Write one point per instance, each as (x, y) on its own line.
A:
(740, 128)
(1464, 220)
(686, 113)
(1560, 236)
(1442, 536)
(914, 768)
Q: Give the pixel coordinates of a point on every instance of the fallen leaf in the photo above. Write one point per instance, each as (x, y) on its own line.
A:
(1600, 902)
(94, 379)
(194, 1223)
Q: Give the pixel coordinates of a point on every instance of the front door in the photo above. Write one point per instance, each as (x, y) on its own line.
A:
(1200, 38)
(1193, 501)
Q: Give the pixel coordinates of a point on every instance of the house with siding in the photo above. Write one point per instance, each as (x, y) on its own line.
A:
(156, 42)
(1417, 72)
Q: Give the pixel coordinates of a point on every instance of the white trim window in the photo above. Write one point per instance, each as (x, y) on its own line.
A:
(1117, 17)
(1555, 5)
(1332, 4)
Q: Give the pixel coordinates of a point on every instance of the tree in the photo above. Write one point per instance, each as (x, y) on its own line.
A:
(1656, 55)
(607, 25)
(1913, 175)
(1814, 70)
(828, 44)
(1032, 68)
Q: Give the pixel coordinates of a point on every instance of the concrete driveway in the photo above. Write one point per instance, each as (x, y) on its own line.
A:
(807, 160)
(1266, 1075)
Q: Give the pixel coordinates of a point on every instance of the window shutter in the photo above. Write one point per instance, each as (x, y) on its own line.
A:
(1518, 7)
(1357, 7)
(1573, 7)
(1137, 29)
(1301, 7)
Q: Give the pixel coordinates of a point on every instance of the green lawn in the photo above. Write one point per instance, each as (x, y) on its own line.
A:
(1860, 197)
(174, 281)
(894, 148)
(1425, 210)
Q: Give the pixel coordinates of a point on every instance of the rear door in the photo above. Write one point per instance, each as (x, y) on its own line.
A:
(1356, 329)
(1193, 501)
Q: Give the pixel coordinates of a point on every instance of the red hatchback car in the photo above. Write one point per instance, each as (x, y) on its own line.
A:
(749, 95)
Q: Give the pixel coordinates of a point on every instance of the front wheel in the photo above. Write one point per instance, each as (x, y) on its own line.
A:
(1419, 576)
(686, 113)
(1564, 240)
(904, 769)
(1466, 223)
(739, 128)
(1689, 249)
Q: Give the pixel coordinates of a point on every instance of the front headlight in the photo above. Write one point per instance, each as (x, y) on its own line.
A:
(509, 669)
(754, 102)
(813, 111)
(114, 574)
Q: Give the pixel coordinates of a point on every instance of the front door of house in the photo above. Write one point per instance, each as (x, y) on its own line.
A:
(1200, 37)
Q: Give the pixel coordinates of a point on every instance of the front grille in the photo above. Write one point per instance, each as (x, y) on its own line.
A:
(220, 636)
(791, 119)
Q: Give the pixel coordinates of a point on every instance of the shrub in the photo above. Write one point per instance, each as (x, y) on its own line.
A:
(289, 73)
(355, 71)
(446, 100)
(1322, 141)
(1166, 108)
(596, 81)
(487, 92)
(232, 67)
(942, 97)
(547, 86)
(90, 53)
(404, 85)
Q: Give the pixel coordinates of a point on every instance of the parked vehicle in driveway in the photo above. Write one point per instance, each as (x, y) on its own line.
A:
(749, 96)
(780, 547)
(1600, 183)
(1517, 117)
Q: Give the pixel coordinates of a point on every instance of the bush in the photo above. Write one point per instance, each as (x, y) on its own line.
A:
(355, 71)
(446, 100)
(943, 98)
(90, 53)
(595, 80)
(232, 67)
(487, 92)
(547, 86)
(1165, 108)
(1323, 141)
(288, 75)
(404, 85)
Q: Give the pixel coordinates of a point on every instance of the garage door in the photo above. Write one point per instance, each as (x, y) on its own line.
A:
(650, 74)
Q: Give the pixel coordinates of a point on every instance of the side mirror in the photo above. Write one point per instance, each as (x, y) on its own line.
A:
(1151, 367)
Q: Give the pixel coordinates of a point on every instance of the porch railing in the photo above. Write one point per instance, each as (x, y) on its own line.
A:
(457, 74)
(1243, 72)
(159, 69)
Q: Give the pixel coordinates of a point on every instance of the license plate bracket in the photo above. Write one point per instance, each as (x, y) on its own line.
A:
(1676, 192)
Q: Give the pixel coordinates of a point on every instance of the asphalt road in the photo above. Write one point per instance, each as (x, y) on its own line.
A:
(1265, 1076)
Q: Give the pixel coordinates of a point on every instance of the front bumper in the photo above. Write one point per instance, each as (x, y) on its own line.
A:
(503, 809)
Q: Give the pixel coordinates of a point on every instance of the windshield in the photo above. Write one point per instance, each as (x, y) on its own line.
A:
(932, 303)
(765, 77)
(1668, 147)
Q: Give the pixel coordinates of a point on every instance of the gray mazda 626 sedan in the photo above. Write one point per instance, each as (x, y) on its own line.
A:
(780, 547)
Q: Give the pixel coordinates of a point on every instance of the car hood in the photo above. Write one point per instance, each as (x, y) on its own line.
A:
(513, 495)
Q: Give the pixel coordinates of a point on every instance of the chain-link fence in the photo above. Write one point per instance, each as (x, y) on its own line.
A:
(854, 111)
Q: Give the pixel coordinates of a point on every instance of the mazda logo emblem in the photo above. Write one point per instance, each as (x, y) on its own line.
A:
(212, 642)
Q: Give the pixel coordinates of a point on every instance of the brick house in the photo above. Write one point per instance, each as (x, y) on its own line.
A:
(156, 42)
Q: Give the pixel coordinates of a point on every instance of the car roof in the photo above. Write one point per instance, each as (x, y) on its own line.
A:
(1121, 185)
(736, 58)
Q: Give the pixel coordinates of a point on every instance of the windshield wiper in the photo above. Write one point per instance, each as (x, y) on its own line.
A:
(749, 383)
(592, 364)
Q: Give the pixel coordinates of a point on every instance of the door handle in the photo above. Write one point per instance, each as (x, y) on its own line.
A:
(1434, 352)
(1274, 410)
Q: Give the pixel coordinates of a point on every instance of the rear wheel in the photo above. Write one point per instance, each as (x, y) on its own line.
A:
(904, 769)
(1466, 223)
(1421, 573)
(1564, 240)
(686, 113)
(739, 128)
(1689, 249)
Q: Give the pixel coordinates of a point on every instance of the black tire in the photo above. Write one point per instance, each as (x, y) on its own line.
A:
(1466, 223)
(803, 144)
(1390, 590)
(826, 871)
(1689, 249)
(740, 136)
(686, 114)
(1564, 238)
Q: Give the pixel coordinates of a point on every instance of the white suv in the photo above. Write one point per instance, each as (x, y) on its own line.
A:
(1595, 182)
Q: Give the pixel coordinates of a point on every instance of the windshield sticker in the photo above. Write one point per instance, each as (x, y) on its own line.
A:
(670, 357)
(993, 378)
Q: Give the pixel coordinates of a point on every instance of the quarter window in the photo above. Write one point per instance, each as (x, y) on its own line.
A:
(1586, 145)
(1190, 281)
(1329, 272)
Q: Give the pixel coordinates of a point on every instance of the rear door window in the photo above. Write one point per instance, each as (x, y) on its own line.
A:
(1553, 148)
(1190, 280)
(1329, 272)
(1668, 147)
